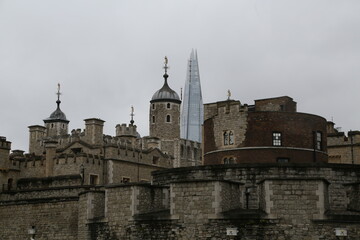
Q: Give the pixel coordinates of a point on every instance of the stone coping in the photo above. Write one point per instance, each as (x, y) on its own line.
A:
(131, 184)
(294, 179)
(206, 180)
(221, 167)
(39, 200)
(134, 162)
(48, 179)
(47, 189)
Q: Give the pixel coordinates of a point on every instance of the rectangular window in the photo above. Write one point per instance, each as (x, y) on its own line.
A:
(276, 139)
(125, 179)
(282, 160)
(318, 141)
(155, 160)
(94, 179)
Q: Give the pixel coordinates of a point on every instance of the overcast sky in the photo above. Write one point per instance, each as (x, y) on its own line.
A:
(108, 55)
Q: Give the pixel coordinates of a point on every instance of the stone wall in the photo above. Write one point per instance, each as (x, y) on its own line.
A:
(54, 215)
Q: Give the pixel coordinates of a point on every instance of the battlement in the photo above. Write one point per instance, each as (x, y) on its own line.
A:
(213, 109)
(125, 130)
(4, 144)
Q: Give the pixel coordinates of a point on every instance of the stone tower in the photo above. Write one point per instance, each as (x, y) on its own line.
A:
(56, 124)
(164, 116)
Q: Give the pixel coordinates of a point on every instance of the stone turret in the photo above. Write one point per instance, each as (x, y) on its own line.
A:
(94, 131)
(165, 112)
(50, 148)
(36, 134)
(56, 124)
(5, 147)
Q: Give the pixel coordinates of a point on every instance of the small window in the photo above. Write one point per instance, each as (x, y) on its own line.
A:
(229, 160)
(188, 154)
(153, 106)
(231, 138)
(182, 151)
(155, 160)
(52, 125)
(10, 183)
(76, 150)
(282, 160)
(94, 179)
(168, 106)
(318, 141)
(153, 119)
(226, 138)
(125, 180)
(276, 139)
(168, 118)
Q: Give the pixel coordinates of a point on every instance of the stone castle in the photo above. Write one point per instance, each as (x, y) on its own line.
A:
(264, 171)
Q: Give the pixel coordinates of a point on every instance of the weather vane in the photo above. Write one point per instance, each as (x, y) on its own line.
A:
(166, 66)
(132, 115)
(58, 91)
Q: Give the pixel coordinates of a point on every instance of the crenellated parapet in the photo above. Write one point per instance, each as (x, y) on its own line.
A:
(343, 147)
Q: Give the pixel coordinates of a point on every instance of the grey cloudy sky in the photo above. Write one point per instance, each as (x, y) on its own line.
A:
(108, 55)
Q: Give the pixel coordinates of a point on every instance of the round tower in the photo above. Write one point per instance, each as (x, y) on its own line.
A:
(164, 118)
(56, 124)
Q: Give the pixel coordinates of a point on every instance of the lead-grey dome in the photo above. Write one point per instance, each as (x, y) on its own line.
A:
(57, 115)
(165, 94)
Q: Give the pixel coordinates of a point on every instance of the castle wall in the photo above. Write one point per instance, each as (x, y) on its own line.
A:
(251, 174)
(342, 149)
(293, 202)
(53, 213)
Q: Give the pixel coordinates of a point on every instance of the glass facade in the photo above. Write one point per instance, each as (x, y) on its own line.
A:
(192, 113)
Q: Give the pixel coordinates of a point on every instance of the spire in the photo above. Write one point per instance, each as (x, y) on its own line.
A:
(57, 115)
(166, 68)
(132, 115)
(58, 94)
(166, 93)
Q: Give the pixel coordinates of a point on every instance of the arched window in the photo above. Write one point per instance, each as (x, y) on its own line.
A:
(153, 119)
(182, 150)
(168, 105)
(226, 138)
(168, 118)
(153, 106)
(188, 152)
(226, 161)
(231, 138)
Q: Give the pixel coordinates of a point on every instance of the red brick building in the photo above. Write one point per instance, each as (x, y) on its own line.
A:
(267, 132)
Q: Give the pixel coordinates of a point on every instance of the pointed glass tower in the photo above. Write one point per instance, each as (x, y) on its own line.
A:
(192, 114)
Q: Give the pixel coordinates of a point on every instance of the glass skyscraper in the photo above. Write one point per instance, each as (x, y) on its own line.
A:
(192, 114)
